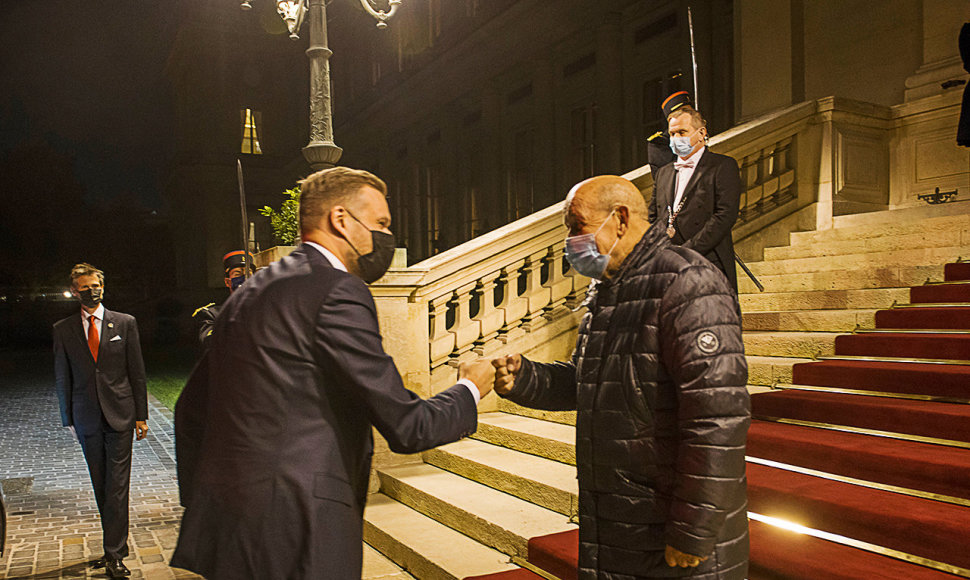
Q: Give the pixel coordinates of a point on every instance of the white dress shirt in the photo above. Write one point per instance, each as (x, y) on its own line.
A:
(684, 174)
(336, 263)
(98, 315)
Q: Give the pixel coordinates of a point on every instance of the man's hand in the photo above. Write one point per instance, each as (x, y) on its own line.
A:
(141, 428)
(677, 558)
(506, 367)
(479, 372)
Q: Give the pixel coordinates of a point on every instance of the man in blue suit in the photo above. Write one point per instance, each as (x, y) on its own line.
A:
(274, 428)
(100, 381)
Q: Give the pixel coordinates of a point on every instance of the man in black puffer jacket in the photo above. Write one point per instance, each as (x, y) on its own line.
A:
(658, 378)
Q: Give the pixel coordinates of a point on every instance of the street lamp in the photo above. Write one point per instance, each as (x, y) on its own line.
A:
(321, 152)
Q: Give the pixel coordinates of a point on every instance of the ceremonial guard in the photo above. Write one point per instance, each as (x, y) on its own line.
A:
(235, 265)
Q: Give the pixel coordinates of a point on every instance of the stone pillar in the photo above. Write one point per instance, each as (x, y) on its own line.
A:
(942, 20)
(763, 57)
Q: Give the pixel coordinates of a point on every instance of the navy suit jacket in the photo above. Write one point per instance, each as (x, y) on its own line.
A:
(114, 387)
(713, 196)
(274, 428)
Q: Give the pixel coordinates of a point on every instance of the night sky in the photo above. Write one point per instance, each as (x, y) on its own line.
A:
(85, 127)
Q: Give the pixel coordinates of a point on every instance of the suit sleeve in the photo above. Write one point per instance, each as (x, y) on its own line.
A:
(727, 197)
(710, 376)
(62, 379)
(136, 372)
(347, 334)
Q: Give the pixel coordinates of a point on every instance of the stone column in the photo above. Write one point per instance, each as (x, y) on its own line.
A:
(942, 20)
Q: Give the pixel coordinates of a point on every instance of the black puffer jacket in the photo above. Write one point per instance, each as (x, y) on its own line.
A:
(659, 381)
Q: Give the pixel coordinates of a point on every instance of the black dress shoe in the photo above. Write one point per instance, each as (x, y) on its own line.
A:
(116, 569)
(99, 563)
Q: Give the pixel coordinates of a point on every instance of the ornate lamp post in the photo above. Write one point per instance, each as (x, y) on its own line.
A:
(321, 152)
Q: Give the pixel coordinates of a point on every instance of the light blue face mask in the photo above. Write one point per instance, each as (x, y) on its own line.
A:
(585, 256)
(681, 146)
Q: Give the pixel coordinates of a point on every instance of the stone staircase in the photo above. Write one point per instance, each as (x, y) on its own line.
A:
(471, 507)
(833, 281)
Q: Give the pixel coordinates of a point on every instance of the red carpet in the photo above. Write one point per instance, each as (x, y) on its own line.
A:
(917, 526)
(933, 468)
(923, 418)
(894, 377)
(958, 271)
(944, 317)
(940, 293)
(557, 554)
(778, 554)
(922, 527)
(938, 346)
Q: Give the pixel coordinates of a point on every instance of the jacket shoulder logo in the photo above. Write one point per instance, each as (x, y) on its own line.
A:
(707, 342)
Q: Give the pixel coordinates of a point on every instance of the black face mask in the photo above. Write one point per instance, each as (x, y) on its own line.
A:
(375, 263)
(91, 297)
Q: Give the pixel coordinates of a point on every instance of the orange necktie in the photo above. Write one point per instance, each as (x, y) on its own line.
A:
(93, 339)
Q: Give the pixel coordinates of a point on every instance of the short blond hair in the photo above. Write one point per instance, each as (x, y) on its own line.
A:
(85, 269)
(335, 186)
(697, 120)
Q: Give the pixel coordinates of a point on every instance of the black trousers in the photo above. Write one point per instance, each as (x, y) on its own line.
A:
(108, 455)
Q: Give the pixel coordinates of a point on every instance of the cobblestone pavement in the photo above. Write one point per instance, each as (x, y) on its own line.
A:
(53, 526)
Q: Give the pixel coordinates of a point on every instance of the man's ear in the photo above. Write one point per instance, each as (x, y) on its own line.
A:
(623, 215)
(228, 283)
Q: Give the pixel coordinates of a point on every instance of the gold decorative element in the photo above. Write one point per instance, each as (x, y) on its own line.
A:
(523, 563)
(864, 431)
(915, 360)
(876, 549)
(859, 482)
(206, 307)
(886, 394)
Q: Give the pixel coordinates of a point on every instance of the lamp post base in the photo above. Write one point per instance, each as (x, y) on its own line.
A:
(321, 155)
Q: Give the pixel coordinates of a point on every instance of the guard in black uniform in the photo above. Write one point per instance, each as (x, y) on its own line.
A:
(235, 264)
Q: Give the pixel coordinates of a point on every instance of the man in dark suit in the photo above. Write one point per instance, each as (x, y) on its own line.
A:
(276, 422)
(100, 380)
(699, 193)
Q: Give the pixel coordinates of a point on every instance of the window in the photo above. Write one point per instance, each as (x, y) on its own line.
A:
(654, 92)
(434, 21)
(250, 130)
(430, 191)
(521, 183)
(582, 138)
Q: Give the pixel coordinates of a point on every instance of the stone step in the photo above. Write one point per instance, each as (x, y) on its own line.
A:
(544, 482)
(940, 238)
(377, 566)
(885, 224)
(892, 259)
(809, 320)
(858, 278)
(563, 417)
(863, 298)
(427, 549)
(789, 344)
(529, 435)
(768, 370)
(493, 518)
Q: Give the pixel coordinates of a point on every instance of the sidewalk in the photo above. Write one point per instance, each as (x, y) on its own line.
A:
(52, 518)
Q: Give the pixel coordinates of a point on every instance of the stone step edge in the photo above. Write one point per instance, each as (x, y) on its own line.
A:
(462, 517)
(416, 559)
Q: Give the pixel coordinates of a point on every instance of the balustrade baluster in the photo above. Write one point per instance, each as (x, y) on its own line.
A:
(489, 317)
(513, 306)
(537, 294)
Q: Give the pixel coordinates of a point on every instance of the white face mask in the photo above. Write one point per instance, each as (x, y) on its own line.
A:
(681, 145)
(584, 255)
